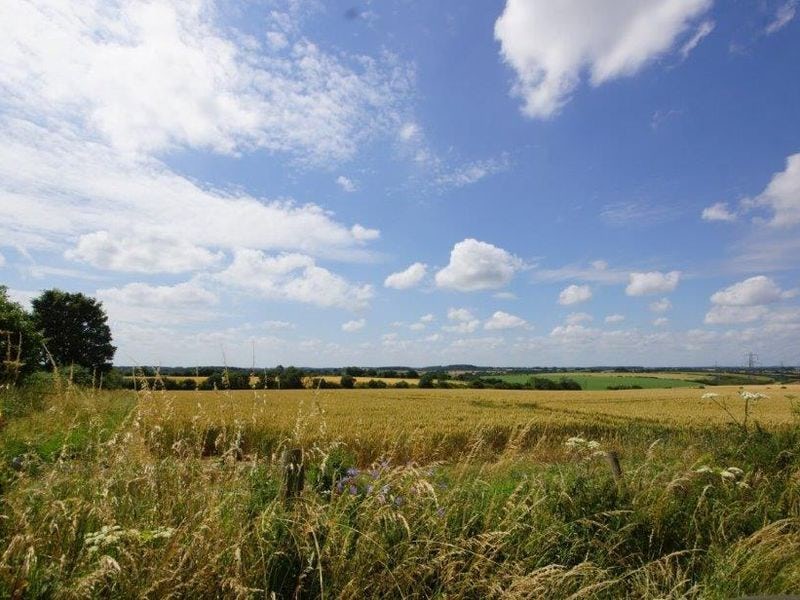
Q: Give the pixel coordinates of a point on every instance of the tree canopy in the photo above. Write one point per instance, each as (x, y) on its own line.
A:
(75, 329)
(20, 342)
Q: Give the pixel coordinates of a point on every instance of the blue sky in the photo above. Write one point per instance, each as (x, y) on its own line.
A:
(518, 182)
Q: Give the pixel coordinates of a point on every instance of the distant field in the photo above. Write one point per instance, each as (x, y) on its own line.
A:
(435, 424)
(601, 381)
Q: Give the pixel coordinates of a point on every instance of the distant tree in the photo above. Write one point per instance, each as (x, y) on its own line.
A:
(426, 380)
(347, 381)
(291, 378)
(75, 329)
(20, 342)
(412, 374)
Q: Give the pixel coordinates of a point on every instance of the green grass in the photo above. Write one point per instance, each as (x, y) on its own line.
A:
(599, 381)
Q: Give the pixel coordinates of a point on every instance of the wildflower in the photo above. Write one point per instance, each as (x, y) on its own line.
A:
(752, 396)
(593, 445)
(575, 442)
(353, 490)
(440, 512)
(709, 396)
(398, 501)
(352, 472)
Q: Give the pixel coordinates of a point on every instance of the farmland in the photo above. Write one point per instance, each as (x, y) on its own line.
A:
(418, 493)
(602, 381)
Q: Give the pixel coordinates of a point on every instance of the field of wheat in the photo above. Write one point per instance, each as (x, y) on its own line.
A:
(406, 493)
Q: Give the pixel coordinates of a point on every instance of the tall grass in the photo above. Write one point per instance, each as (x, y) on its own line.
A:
(151, 504)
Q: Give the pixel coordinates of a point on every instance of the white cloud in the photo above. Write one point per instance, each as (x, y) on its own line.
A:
(418, 326)
(574, 294)
(409, 132)
(2, 260)
(408, 278)
(614, 318)
(578, 317)
(429, 318)
(362, 234)
(718, 212)
(783, 16)
(293, 277)
(504, 320)
(504, 295)
(750, 292)
(347, 184)
(210, 87)
(660, 306)
(470, 173)
(146, 295)
(459, 314)
(476, 266)
(47, 201)
(782, 195)
(654, 282)
(733, 315)
(352, 326)
(23, 297)
(168, 304)
(661, 321)
(704, 29)
(550, 44)
(143, 254)
(464, 321)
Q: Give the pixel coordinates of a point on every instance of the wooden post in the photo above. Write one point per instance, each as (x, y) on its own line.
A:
(612, 458)
(293, 473)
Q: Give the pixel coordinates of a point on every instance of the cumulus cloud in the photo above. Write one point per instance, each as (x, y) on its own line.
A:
(653, 282)
(293, 277)
(2, 260)
(428, 318)
(352, 326)
(504, 320)
(407, 278)
(614, 318)
(660, 306)
(477, 266)
(733, 315)
(347, 184)
(463, 321)
(362, 234)
(718, 212)
(578, 317)
(750, 292)
(551, 44)
(143, 254)
(782, 195)
(141, 302)
(574, 294)
(660, 321)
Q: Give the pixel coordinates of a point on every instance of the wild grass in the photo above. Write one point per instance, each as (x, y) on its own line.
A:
(442, 493)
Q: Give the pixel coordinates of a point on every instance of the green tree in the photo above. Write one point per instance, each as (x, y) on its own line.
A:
(75, 329)
(347, 381)
(20, 342)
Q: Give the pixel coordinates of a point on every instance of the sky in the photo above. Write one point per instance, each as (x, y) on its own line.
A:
(405, 182)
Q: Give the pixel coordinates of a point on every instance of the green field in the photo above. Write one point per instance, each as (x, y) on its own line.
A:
(601, 381)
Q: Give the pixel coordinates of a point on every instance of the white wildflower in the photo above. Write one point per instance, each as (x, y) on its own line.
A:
(752, 396)
(709, 396)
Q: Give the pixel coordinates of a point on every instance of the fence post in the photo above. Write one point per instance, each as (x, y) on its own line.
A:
(293, 473)
(612, 458)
